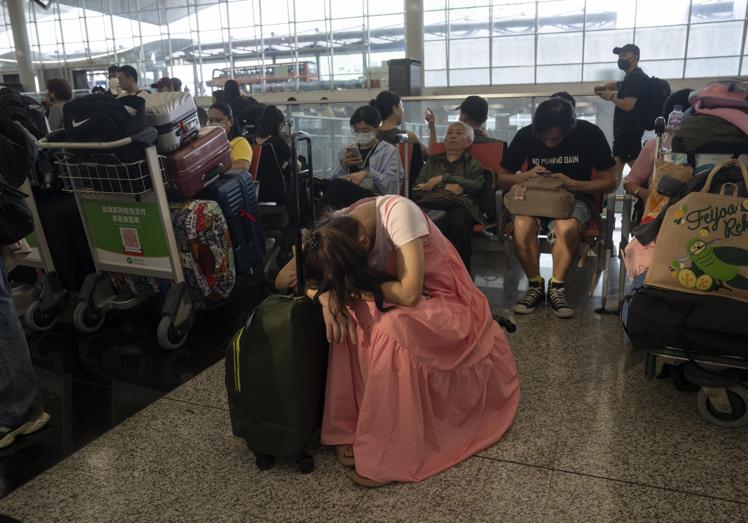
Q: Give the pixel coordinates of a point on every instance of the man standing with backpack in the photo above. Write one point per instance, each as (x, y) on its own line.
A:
(630, 97)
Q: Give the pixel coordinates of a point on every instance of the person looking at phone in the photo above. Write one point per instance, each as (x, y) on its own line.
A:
(562, 147)
(367, 167)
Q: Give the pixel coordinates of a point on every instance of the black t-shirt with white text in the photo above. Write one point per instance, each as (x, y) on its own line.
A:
(582, 150)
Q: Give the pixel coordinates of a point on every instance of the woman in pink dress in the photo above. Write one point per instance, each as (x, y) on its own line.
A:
(420, 376)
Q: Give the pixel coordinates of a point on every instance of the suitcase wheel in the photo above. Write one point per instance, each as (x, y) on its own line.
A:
(305, 464)
(264, 462)
(86, 318)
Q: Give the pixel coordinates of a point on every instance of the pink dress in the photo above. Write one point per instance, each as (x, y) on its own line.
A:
(427, 386)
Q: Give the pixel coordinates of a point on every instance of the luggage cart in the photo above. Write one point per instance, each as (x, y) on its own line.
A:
(47, 298)
(128, 227)
(723, 381)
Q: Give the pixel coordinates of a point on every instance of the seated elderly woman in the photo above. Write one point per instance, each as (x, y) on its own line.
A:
(368, 167)
(453, 181)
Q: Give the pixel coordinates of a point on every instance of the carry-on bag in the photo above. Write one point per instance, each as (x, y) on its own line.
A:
(702, 246)
(174, 115)
(665, 318)
(205, 249)
(275, 372)
(540, 196)
(235, 192)
(198, 163)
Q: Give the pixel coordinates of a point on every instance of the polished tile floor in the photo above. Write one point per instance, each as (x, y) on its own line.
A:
(592, 441)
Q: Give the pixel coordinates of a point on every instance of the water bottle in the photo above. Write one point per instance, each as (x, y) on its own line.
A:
(674, 121)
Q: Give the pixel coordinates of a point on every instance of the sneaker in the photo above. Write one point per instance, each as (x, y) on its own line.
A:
(534, 297)
(37, 420)
(559, 304)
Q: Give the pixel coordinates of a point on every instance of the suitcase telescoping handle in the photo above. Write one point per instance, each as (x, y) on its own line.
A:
(296, 140)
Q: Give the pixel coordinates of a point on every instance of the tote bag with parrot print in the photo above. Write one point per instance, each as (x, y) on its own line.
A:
(702, 247)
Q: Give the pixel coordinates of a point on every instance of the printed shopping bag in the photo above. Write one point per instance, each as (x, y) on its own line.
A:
(702, 247)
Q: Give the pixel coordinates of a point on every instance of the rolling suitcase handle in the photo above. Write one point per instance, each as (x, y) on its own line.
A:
(296, 139)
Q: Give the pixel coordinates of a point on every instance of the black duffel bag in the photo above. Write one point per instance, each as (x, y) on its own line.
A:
(96, 118)
(706, 324)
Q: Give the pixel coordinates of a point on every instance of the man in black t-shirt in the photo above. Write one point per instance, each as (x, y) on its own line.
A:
(474, 112)
(627, 130)
(556, 145)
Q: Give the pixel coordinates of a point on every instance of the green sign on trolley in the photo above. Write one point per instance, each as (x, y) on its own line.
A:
(127, 234)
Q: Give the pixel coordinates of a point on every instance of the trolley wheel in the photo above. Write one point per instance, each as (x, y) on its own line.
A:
(738, 398)
(169, 337)
(264, 462)
(305, 464)
(87, 319)
(38, 320)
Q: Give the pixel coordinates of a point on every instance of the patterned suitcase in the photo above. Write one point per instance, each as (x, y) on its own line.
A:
(235, 193)
(205, 249)
(205, 253)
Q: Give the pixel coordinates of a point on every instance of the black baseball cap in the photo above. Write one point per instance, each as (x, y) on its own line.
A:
(475, 107)
(628, 48)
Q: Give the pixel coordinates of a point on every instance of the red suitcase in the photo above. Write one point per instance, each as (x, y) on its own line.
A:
(192, 167)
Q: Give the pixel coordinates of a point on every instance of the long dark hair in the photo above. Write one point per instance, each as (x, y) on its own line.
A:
(60, 88)
(231, 90)
(337, 263)
(385, 102)
(270, 122)
(226, 109)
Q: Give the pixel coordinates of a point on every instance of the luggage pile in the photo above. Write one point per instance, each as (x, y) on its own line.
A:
(692, 302)
(215, 231)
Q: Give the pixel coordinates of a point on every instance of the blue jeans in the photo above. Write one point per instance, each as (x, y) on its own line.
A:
(17, 380)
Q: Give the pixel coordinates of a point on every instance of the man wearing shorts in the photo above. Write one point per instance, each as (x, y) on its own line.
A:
(560, 146)
(627, 129)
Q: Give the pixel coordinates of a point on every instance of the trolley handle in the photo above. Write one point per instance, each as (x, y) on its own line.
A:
(146, 137)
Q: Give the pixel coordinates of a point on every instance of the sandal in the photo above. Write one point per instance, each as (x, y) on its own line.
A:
(341, 452)
(369, 483)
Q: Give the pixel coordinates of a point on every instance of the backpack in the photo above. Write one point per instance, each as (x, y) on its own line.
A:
(16, 151)
(19, 109)
(95, 118)
(657, 92)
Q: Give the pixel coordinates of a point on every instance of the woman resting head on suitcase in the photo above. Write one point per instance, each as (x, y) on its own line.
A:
(221, 115)
(420, 377)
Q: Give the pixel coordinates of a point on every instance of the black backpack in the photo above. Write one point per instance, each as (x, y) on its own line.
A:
(650, 108)
(96, 118)
(16, 151)
(21, 109)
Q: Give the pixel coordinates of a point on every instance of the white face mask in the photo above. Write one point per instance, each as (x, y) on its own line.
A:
(364, 138)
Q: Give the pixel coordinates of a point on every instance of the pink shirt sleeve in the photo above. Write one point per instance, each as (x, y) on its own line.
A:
(643, 167)
(405, 222)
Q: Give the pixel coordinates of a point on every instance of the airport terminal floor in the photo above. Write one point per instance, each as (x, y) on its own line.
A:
(520, 230)
(593, 440)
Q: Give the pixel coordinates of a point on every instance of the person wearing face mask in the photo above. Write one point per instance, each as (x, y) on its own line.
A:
(221, 115)
(369, 167)
(627, 130)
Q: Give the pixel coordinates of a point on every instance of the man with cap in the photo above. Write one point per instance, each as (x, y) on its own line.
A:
(164, 85)
(627, 130)
(474, 112)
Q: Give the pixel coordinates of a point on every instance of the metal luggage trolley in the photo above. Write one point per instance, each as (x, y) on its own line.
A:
(126, 216)
(723, 382)
(47, 299)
